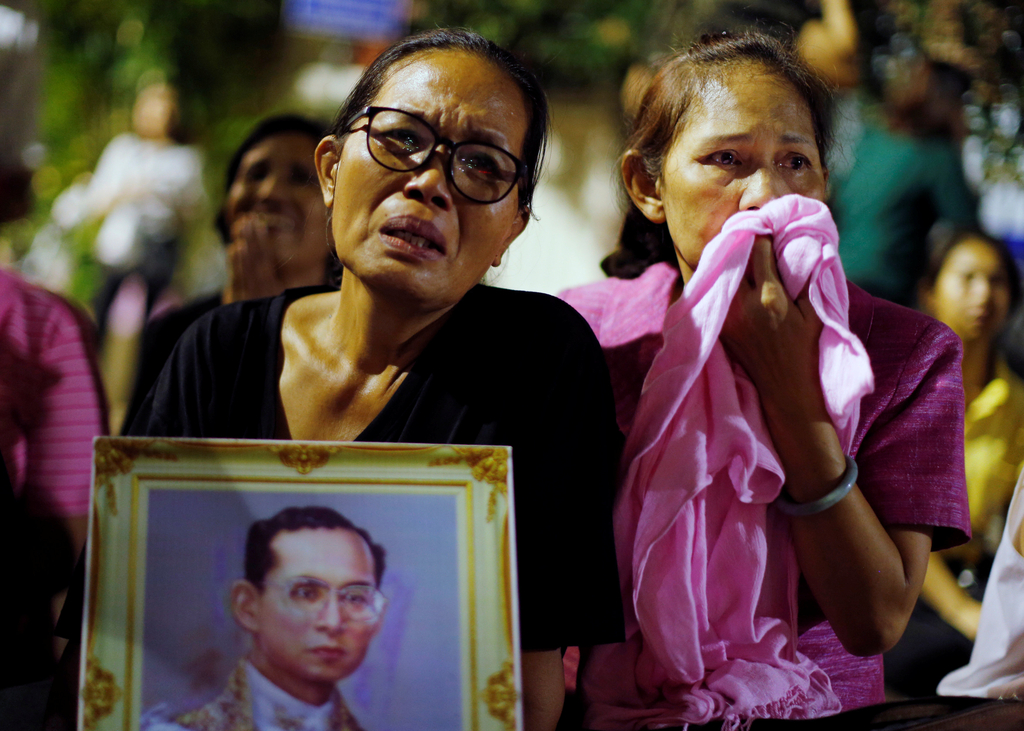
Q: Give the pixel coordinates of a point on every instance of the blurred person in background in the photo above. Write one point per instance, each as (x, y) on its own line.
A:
(823, 32)
(21, 71)
(972, 284)
(51, 407)
(274, 226)
(903, 178)
(146, 188)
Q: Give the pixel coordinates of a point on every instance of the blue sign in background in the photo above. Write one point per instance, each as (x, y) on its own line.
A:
(357, 19)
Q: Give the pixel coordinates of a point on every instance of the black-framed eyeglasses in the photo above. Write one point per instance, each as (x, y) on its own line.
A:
(402, 141)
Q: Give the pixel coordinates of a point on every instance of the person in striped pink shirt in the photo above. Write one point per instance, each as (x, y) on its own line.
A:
(51, 407)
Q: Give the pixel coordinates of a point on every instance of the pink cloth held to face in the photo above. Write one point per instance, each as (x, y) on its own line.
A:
(710, 622)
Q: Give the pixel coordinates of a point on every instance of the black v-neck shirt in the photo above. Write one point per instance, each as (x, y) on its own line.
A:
(508, 368)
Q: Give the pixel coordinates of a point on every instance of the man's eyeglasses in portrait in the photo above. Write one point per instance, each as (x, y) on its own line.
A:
(309, 597)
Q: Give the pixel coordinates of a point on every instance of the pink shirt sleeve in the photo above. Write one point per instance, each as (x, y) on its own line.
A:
(910, 443)
(51, 400)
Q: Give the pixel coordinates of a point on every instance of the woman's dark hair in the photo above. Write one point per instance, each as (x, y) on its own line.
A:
(945, 237)
(281, 124)
(260, 558)
(665, 107)
(458, 39)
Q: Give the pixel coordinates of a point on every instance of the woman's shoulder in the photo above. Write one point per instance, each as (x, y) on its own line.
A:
(917, 408)
(36, 320)
(899, 337)
(620, 310)
(524, 336)
(246, 319)
(534, 311)
(225, 323)
(172, 323)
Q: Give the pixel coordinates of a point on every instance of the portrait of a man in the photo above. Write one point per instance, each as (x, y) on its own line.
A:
(310, 604)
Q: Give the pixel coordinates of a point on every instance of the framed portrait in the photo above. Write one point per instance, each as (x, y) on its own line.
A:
(309, 585)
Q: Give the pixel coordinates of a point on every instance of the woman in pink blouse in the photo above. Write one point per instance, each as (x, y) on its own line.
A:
(729, 126)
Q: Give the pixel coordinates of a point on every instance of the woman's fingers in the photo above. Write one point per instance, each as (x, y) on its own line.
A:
(762, 261)
(763, 277)
(761, 295)
(803, 303)
(773, 337)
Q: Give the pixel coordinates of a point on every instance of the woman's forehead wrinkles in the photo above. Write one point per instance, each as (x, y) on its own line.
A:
(464, 108)
(722, 104)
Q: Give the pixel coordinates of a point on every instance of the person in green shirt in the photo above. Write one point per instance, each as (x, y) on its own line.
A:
(905, 176)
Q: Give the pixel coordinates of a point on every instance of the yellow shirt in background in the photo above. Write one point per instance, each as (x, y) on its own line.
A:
(994, 453)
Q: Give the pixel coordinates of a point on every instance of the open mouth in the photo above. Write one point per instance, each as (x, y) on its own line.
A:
(417, 234)
(418, 241)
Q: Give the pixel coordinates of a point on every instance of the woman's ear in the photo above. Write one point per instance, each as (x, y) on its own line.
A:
(518, 224)
(327, 157)
(643, 191)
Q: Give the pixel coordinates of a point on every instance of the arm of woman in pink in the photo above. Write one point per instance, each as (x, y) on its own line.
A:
(865, 576)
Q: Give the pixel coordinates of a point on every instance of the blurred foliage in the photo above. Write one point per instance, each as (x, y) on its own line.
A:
(230, 62)
(99, 53)
(570, 44)
(980, 37)
(216, 52)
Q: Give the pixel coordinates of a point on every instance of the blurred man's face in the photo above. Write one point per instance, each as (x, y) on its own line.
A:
(305, 638)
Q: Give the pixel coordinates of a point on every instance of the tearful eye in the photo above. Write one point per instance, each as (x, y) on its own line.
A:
(479, 164)
(725, 157)
(399, 140)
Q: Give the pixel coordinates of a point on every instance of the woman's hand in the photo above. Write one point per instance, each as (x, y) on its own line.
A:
(252, 261)
(775, 340)
(866, 578)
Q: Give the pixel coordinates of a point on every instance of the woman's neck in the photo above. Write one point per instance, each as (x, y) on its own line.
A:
(344, 356)
(978, 365)
(374, 333)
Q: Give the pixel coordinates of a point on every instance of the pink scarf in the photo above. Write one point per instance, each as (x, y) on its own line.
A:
(710, 622)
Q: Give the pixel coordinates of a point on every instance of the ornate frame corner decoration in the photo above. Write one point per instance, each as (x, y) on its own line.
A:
(113, 456)
(488, 464)
(500, 695)
(100, 693)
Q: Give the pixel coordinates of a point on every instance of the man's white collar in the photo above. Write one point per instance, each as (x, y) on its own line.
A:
(274, 709)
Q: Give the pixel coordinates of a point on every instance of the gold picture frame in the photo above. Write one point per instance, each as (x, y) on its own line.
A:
(167, 528)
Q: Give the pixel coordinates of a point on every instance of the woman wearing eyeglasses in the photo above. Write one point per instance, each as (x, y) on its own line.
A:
(427, 176)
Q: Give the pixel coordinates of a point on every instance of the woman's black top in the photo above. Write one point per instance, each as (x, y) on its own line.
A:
(158, 340)
(508, 368)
